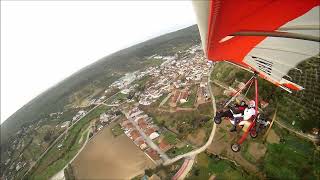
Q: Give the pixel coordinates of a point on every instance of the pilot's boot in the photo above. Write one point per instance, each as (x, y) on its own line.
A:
(234, 128)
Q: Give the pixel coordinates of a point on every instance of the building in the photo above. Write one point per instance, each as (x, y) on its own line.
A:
(153, 135)
(134, 134)
(164, 145)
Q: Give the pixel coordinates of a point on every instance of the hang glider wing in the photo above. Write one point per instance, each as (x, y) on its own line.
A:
(266, 36)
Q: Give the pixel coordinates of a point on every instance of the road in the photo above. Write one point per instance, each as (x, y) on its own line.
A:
(213, 131)
(110, 105)
(163, 156)
(61, 135)
(165, 99)
(60, 174)
(311, 138)
(185, 168)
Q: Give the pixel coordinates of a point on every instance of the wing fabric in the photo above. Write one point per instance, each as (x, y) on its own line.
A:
(269, 37)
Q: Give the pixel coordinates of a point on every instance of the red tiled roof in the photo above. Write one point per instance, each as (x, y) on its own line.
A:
(141, 120)
(153, 154)
(134, 134)
(175, 96)
(184, 95)
(143, 126)
(149, 131)
(164, 146)
(129, 126)
(124, 123)
(140, 142)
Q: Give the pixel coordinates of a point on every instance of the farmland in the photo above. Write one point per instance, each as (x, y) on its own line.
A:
(109, 157)
(57, 157)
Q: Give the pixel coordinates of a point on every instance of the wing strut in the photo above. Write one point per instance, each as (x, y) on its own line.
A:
(236, 147)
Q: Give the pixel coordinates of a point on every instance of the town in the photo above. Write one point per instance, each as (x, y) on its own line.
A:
(180, 81)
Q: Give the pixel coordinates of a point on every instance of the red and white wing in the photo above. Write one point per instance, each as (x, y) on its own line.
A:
(269, 37)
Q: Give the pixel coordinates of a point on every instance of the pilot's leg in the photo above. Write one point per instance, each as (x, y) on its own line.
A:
(236, 121)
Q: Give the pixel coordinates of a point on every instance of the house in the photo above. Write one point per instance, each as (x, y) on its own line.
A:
(149, 131)
(134, 134)
(99, 127)
(184, 96)
(128, 126)
(164, 145)
(142, 123)
(104, 118)
(135, 114)
(153, 135)
(141, 143)
(65, 124)
(153, 154)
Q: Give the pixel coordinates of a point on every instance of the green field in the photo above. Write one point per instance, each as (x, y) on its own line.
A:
(170, 137)
(293, 158)
(191, 98)
(208, 165)
(173, 152)
(56, 159)
(116, 130)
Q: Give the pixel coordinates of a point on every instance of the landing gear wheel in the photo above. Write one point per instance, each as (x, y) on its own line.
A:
(217, 120)
(253, 134)
(235, 147)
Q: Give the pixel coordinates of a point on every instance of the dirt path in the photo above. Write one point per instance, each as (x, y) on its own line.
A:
(308, 137)
(208, 143)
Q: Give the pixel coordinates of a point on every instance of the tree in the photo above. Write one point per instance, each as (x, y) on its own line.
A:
(47, 136)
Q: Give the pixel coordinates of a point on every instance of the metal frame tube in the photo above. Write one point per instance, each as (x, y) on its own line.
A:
(244, 136)
(239, 91)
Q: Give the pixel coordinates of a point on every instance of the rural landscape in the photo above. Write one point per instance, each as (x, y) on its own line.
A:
(146, 112)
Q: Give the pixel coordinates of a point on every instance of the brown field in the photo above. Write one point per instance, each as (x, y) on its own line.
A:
(107, 157)
(273, 137)
(221, 146)
(257, 150)
(198, 137)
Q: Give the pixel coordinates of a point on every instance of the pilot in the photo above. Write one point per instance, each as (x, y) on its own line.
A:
(248, 113)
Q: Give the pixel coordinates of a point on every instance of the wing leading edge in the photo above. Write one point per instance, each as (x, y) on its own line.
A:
(268, 37)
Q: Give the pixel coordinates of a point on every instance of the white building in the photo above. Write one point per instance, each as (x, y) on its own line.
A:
(153, 135)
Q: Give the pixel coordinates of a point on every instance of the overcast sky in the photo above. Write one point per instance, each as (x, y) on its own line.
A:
(44, 42)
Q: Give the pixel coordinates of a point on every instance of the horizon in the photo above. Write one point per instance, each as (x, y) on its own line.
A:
(9, 57)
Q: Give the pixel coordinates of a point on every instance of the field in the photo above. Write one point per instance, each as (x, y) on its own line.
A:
(116, 130)
(99, 75)
(210, 166)
(56, 158)
(182, 123)
(175, 151)
(109, 157)
(191, 99)
(164, 172)
(198, 137)
(273, 159)
(292, 158)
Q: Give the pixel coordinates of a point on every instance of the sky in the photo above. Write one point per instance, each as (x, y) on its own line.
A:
(43, 42)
